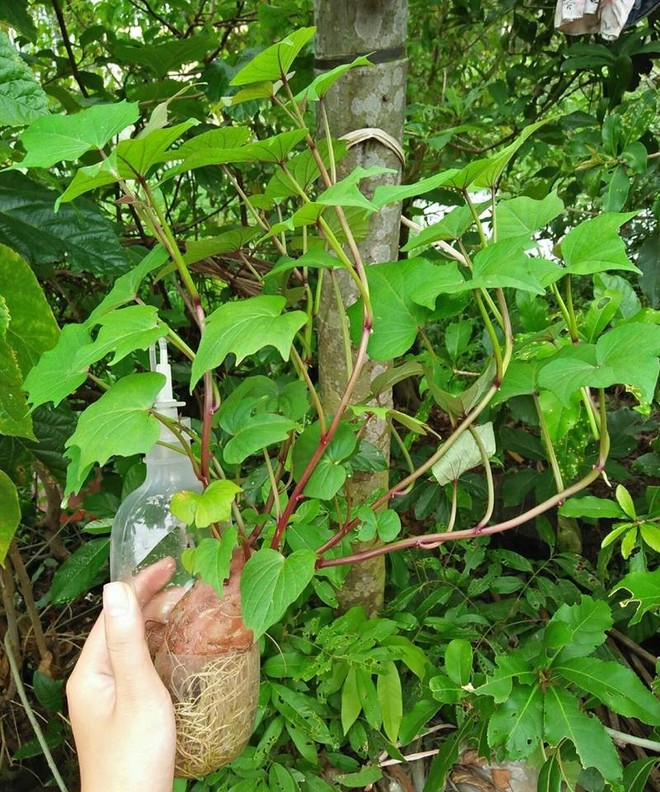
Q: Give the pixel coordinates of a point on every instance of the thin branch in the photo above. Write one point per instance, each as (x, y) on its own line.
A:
(67, 46)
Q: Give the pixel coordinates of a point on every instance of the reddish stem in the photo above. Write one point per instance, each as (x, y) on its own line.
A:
(209, 409)
(431, 541)
(324, 442)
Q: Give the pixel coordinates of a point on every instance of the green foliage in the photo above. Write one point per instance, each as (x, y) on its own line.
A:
(518, 323)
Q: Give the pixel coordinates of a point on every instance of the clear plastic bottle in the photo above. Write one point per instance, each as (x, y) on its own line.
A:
(144, 529)
(202, 650)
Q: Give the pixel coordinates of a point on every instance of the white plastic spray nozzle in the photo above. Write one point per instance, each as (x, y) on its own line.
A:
(165, 402)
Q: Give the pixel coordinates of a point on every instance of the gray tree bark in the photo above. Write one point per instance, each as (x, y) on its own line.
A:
(365, 98)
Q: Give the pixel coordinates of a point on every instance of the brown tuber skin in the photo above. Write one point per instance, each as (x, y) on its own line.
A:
(201, 623)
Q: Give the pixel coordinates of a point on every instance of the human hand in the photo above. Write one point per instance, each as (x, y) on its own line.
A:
(121, 713)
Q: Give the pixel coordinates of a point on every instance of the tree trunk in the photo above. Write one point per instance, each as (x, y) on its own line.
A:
(365, 98)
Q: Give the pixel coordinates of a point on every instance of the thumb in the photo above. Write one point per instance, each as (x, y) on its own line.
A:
(132, 668)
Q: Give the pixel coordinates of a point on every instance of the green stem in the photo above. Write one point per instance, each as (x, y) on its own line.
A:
(328, 138)
(563, 309)
(592, 415)
(497, 352)
(431, 541)
(549, 447)
(573, 327)
(345, 262)
(489, 479)
(343, 320)
(13, 667)
(180, 344)
(429, 346)
(273, 484)
(475, 217)
(184, 446)
(454, 506)
(302, 370)
(406, 454)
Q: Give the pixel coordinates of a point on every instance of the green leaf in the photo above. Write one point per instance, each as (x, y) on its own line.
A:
(14, 413)
(52, 427)
(464, 454)
(138, 155)
(397, 318)
(164, 56)
(320, 85)
(48, 691)
(274, 62)
(10, 514)
(595, 246)
(444, 689)
(510, 667)
(619, 688)
(32, 329)
(564, 720)
(506, 265)
(22, 99)
(303, 711)
(625, 355)
(215, 147)
(644, 588)
(458, 661)
(120, 423)
(51, 139)
(79, 571)
(126, 287)
(80, 235)
(228, 242)
(211, 506)
(452, 226)
(351, 703)
(650, 533)
(243, 328)
(347, 193)
(60, 370)
(270, 583)
(122, 332)
(550, 776)
(523, 216)
(364, 777)
(625, 501)
(517, 723)
(388, 687)
(211, 558)
(591, 506)
(329, 474)
(636, 774)
(259, 431)
(14, 13)
(587, 621)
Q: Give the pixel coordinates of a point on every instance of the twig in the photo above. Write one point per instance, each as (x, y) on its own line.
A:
(67, 46)
(634, 647)
(630, 739)
(31, 717)
(28, 599)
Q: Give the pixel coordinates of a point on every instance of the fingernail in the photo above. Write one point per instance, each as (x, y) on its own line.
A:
(115, 599)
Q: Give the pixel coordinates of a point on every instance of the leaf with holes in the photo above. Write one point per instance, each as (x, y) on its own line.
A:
(564, 720)
(619, 688)
(644, 588)
(517, 723)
